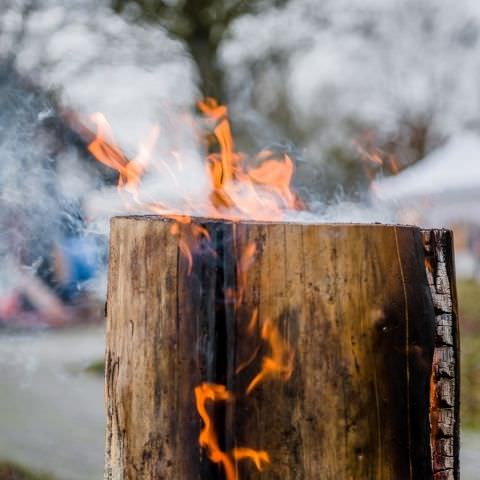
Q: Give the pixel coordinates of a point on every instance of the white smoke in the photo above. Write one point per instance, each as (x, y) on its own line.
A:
(101, 62)
(93, 60)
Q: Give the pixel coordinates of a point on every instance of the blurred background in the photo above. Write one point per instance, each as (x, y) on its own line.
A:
(378, 101)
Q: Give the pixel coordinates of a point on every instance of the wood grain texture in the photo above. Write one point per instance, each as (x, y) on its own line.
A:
(353, 301)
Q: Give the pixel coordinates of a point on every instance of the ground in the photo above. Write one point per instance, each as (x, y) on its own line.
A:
(51, 409)
(51, 402)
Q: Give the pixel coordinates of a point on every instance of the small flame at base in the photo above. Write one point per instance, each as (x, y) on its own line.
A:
(208, 439)
(278, 365)
(256, 457)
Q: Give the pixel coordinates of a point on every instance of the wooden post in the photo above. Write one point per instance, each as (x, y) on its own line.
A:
(322, 342)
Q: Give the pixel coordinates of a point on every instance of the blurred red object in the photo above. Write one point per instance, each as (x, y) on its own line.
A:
(10, 305)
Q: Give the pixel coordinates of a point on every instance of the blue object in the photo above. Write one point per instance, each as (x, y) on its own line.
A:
(83, 257)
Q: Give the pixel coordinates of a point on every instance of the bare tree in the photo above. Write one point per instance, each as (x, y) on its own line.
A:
(201, 24)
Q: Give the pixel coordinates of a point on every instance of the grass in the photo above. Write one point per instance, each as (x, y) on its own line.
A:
(469, 307)
(12, 471)
(97, 368)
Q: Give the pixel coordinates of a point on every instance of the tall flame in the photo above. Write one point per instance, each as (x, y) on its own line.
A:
(258, 189)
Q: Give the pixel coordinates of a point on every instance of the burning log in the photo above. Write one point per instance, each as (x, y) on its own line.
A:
(245, 350)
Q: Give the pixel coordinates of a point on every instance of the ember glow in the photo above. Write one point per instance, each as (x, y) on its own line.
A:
(240, 188)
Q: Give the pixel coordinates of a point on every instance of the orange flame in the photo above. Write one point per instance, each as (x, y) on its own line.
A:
(250, 330)
(238, 189)
(253, 322)
(251, 191)
(258, 188)
(224, 135)
(280, 363)
(374, 158)
(208, 439)
(189, 235)
(104, 149)
(258, 458)
(244, 264)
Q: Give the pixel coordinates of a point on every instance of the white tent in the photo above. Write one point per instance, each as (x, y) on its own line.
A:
(441, 190)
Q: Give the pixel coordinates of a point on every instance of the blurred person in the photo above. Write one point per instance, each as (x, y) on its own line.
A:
(46, 256)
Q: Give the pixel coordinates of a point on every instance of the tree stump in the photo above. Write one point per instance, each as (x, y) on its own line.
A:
(280, 351)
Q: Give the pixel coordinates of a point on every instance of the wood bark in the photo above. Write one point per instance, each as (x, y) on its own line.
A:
(355, 303)
(445, 389)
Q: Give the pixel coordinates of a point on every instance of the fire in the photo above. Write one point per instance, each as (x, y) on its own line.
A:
(104, 149)
(225, 165)
(189, 237)
(280, 363)
(208, 439)
(243, 265)
(249, 190)
(258, 458)
(375, 159)
(252, 324)
(277, 365)
(257, 188)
